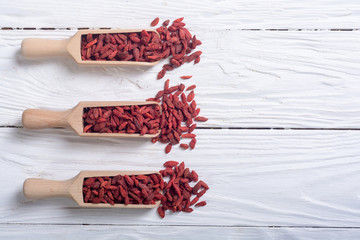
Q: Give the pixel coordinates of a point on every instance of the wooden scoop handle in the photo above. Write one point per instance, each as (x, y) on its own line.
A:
(42, 188)
(39, 119)
(38, 48)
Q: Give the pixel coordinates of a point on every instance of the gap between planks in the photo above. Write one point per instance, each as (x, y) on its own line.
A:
(252, 128)
(245, 29)
(174, 225)
(242, 29)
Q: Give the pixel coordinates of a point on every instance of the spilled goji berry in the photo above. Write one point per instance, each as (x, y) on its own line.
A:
(184, 146)
(192, 143)
(168, 148)
(192, 87)
(201, 119)
(176, 111)
(177, 193)
(200, 204)
(155, 22)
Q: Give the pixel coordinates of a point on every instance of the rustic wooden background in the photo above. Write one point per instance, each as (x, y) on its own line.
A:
(278, 80)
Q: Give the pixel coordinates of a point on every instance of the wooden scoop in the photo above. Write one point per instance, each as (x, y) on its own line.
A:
(73, 118)
(39, 48)
(37, 188)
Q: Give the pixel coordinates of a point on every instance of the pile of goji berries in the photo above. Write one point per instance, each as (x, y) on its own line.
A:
(135, 189)
(135, 46)
(175, 194)
(178, 43)
(178, 192)
(175, 41)
(177, 108)
(122, 119)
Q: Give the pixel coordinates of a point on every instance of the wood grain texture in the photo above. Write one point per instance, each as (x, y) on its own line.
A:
(177, 233)
(266, 64)
(212, 14)
(256, 178)
(263, 79)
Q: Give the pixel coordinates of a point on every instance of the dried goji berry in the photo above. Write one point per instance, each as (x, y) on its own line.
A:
(192, 143)
(184, 146)
(201, 119)
(161, 73)
(200, 204)
(175, 111)
(166, 22)
(178, 193)
(188, 135)
(155, 22)
(191, 96)
(194, 176)
(161, 212)
(170, 164)
(192, 87)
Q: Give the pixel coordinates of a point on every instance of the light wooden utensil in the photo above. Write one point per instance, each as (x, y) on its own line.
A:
(73, 118)
(39, 48)
(37, 188)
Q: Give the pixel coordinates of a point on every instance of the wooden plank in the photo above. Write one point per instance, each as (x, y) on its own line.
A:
(208, 14)
(42, 232)
(264, 79)
(256, 178)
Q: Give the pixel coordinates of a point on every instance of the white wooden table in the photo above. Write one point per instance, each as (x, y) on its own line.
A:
(279, 81)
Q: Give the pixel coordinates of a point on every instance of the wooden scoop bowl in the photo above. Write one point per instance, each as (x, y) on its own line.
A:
(37, 188)
(39, 48)
(73, 118)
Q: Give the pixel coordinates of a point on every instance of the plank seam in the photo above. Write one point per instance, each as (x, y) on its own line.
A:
(175, 225)
(252, 128)
(241, 29)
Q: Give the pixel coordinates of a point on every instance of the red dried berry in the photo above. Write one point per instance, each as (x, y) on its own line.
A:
(186, 77)
(177, 191)
(91, 43)
(200, 204)
(184, 146)
(195, 199)
(188, 135)
(171, 164)
(191, 96)
(192, 128)
(192, 143)
(161, 212)
(166, 22)
(201, 193)
(201, 119)
(155, 22)
(197, 60)
(192, 87)
(194, 176)
(166, 87)
(168, 148)
(161, 74)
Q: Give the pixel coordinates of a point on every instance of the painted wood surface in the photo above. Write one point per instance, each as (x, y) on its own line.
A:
(279, 64)
(213, 14)
(266, 79)
(42, 232)
(257, 177)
